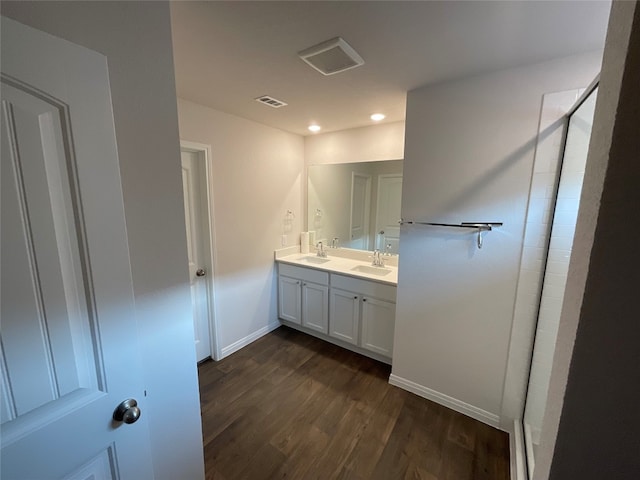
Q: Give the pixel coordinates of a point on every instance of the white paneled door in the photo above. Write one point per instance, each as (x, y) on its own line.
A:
(194, 184)
(69, 336)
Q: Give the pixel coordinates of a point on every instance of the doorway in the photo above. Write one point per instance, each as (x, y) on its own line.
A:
(198, 208)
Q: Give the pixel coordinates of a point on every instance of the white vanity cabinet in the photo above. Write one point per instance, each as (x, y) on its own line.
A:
(350, 311)
(366, 306)
(303, 297)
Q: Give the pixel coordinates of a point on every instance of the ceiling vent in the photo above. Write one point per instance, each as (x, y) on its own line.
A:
(272, 102)
(332, 56)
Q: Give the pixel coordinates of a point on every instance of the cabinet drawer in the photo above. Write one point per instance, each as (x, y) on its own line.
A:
(364, 287)
(308, 274)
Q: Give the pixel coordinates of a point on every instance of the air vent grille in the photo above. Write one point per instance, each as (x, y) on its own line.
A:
(332, 56)
(272, 102)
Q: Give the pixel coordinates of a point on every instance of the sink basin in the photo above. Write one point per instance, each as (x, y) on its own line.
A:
(371, 270)
(314, 259)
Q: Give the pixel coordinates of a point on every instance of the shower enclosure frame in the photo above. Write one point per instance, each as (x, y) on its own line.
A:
(526, 440)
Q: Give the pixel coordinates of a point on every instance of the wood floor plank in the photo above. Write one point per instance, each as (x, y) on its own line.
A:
(311, 446)
(394, 462)
(367, 452)
(263, 464)
(425, 444)
(416, 473)
(457, 462)
(219, 419)
(462, 430)
(489, 454)
(347, 435)
(291, 406)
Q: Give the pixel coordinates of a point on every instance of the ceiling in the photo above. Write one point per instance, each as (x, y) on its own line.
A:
(229, 53)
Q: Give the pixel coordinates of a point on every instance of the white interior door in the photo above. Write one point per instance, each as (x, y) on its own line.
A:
(194, 175)
(360, 211)
(69, 336)
(388, 210)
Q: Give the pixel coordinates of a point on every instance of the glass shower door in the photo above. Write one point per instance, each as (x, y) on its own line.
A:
(555, 276)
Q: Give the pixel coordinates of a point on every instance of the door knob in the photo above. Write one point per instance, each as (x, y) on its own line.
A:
(200, 272)
(127, 411)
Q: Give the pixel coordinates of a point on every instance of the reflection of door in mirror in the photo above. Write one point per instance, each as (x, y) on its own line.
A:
(343, 200)
(360, 211)
(388, 213)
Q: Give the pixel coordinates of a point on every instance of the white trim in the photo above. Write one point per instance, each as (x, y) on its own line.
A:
(243, 342)
(450, 402)
(205, 151)
(517, 452)
(585, 94)
(528, 442)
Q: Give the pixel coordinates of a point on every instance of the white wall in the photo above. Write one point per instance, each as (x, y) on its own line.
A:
(258, 174)
(136, 39)
(364, 144)
(468, 157)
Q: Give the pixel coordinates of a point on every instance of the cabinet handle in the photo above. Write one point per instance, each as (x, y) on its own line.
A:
(297, 283)
(364, 299)
(304, 284)
(355, 298)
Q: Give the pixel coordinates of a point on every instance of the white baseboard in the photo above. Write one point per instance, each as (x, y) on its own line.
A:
(442, 399)
(517, 453)
(243, 342)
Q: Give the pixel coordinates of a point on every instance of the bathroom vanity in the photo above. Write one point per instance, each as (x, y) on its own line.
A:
(340, 298)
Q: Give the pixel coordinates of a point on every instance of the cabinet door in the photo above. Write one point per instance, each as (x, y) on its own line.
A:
(378, 319)
(289, 299)
(344, 315)
(315, 306)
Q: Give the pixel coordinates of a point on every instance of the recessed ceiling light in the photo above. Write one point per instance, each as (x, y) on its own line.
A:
(376, 117)
(314, 128)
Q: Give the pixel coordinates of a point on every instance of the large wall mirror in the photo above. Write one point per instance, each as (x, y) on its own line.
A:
(357, 203)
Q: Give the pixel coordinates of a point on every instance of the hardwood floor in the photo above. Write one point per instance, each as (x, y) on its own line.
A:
(290, 406)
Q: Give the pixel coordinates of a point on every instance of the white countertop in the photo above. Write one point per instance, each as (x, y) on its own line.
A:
(344, 261)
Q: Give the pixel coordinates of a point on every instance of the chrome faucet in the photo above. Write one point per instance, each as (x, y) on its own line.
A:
(335, 242)
(387, 249)
(321, 252)
(378, 261)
